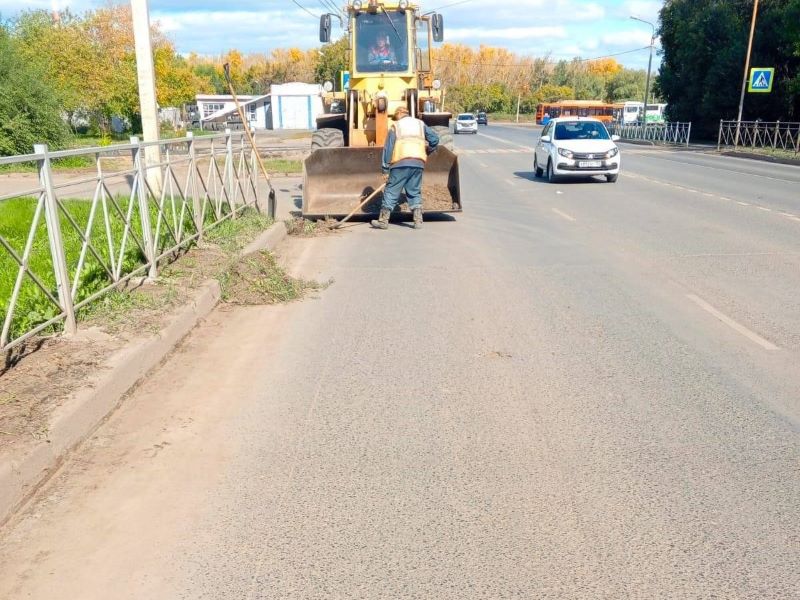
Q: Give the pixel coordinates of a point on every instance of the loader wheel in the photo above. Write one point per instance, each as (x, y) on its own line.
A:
(445, 137)
(327, 138)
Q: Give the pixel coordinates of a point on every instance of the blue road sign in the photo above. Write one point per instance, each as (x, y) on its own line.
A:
(761, 79)
(345, 80)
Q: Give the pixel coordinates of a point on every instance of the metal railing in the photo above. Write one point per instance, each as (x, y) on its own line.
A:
(674, 133)
(775, 135)
(70, 238)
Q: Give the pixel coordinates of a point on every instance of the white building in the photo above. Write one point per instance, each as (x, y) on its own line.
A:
(287, 106)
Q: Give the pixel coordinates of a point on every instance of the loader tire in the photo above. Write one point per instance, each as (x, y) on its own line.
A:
(445, 137)
(327, 138)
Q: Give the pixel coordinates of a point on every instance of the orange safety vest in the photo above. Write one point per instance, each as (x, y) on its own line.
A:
(409, 141)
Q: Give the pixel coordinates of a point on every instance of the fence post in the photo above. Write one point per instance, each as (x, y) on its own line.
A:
(254, 172)
(719, 138)
(197, 205)
(797, 144)
(689, 134)
(230, 172)
(56, 241)
(775, 137)
(144, 208)
(738, 131)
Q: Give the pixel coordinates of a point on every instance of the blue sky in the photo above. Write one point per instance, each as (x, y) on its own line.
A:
(560, 28)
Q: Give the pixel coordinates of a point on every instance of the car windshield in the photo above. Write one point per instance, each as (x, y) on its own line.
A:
(465, 117)
(581, 130)
(382, 42)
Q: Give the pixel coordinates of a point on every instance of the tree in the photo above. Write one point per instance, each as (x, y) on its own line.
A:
(29, 112)
(704, 45)
(332, 60)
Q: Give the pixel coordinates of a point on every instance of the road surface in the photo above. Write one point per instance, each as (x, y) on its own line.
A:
(580, 390)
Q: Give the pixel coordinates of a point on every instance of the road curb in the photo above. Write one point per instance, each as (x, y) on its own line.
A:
(77, 418)
(795, 162)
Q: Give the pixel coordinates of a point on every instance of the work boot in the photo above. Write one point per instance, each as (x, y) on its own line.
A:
(383, 220)
(417, 214)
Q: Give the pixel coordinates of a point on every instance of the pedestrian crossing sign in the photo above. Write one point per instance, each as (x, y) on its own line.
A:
(761, 79)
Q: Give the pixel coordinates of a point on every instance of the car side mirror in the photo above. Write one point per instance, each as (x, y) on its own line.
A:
(437, 25)
(545, 139)
(325, 29)
(615, 138)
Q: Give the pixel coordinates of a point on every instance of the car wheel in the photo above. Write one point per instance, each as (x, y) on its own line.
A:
(551, 176)
(612, 178)
(537, 170)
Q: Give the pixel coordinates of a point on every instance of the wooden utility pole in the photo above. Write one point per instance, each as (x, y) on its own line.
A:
(746, 71)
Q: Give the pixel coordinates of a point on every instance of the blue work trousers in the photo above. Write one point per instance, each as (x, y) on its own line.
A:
(400, 178)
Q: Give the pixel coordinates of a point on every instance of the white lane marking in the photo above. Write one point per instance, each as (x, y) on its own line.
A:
(563, 215)
(708, 194)
(742, 203)
(510, 182)
(738, 327)
(721, 168)
(503, 141)
(484, 165)
(764, 208)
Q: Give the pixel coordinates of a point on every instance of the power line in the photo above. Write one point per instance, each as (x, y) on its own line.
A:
(451, 4)
(527, 65)
(305, 9)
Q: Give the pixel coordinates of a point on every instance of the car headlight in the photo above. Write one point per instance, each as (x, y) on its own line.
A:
(612, 153)
(565, 153)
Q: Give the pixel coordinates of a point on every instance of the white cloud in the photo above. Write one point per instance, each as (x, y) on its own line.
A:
(506, 33)
(631, 38)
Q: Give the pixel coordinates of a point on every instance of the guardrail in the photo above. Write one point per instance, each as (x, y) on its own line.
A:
(68, 239)
(676, 132)
(775, 135)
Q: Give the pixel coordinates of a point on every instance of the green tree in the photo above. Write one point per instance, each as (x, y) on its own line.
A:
(332, 60)
(29, 111)
(704, 45)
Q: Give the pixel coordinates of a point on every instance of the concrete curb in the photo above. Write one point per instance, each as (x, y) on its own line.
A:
(795, 162)
(22, 473)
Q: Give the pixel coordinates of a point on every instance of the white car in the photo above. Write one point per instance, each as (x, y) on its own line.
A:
(576, 147)
(466, 123)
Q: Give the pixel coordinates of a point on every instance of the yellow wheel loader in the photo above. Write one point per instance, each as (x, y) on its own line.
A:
(389, 66)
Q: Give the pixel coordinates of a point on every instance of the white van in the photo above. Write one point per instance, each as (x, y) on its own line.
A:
(631, 112)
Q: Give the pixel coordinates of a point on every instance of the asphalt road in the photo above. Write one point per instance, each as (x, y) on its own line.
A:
(579, 390)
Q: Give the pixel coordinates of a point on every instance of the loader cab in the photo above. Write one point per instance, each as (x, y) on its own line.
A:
(381, 42)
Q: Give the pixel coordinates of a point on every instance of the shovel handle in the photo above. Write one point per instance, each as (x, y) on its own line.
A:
(357, 208)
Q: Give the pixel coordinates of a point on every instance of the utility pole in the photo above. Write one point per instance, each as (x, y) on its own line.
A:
(746, 72)
(649, 67)
(147, 92)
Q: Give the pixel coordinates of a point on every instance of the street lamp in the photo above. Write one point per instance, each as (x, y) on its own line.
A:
(649, 66)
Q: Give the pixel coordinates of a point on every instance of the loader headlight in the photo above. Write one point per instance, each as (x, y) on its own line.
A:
(437, 84)
(328, 86)
(565, 153)
(402, 5)
(356, 4)
(612, 153)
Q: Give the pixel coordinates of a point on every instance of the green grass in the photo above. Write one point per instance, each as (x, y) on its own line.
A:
(774, 153)
(16, 218)
(60, 164)
(283, 165)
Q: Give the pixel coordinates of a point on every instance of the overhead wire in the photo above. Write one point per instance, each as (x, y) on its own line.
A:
(305, 9)
(526, 65)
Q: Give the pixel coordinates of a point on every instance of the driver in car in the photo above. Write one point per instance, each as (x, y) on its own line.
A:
(381, 53)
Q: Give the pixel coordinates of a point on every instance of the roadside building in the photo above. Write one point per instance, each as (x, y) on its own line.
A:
(287, 106)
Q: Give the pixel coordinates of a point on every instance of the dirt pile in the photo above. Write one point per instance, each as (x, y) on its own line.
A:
(301, 227)
(258, 279)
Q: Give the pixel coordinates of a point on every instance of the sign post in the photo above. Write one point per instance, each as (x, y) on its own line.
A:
(761, 79)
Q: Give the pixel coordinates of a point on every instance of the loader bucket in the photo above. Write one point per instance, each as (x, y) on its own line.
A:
(336, 180)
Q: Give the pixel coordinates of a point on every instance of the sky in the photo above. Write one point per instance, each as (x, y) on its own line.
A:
(560, 28)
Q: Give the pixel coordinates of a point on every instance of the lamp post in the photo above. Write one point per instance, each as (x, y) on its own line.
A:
(746, 71)
(649, 67)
